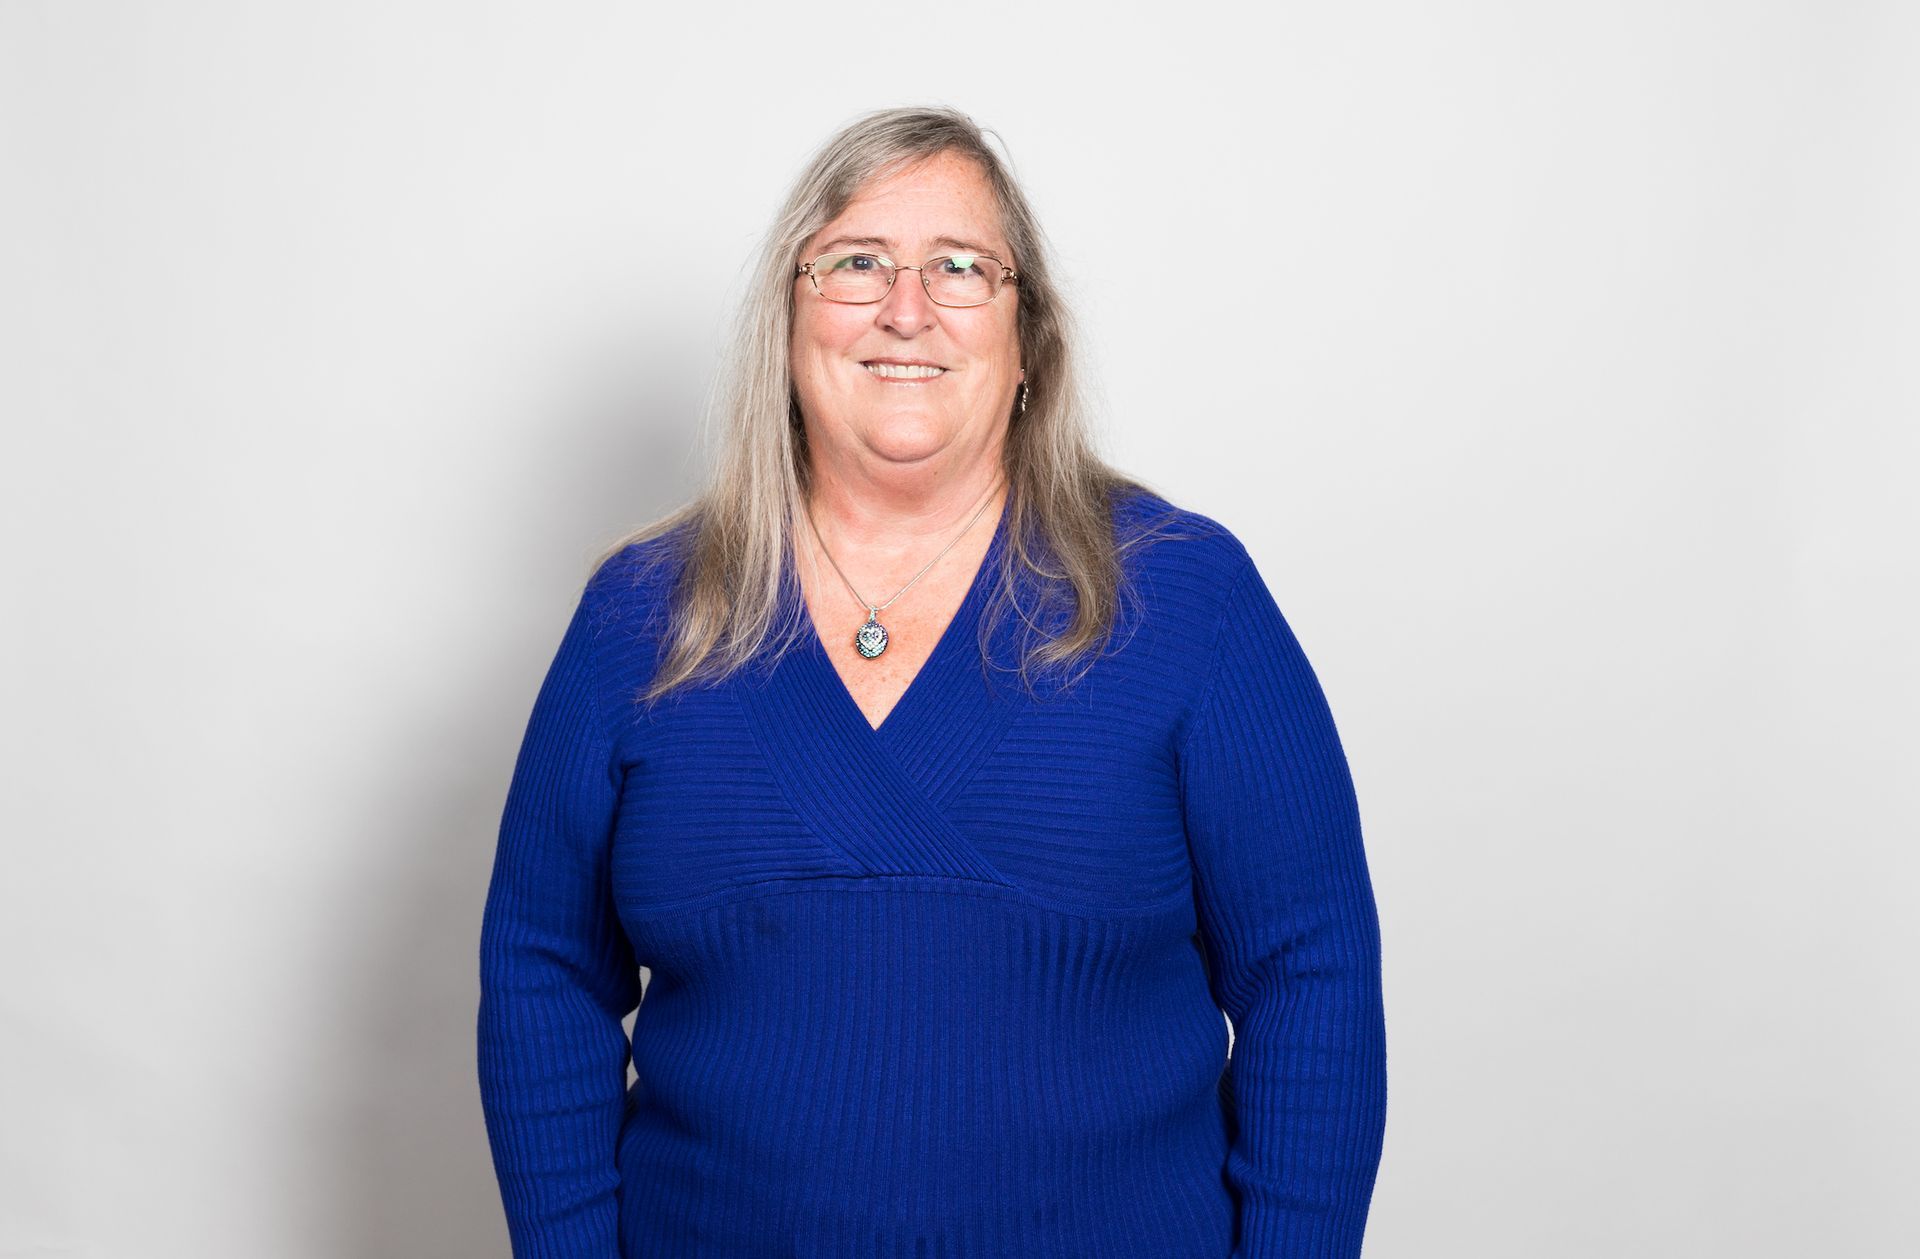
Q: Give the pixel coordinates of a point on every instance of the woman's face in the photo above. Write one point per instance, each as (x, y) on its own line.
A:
(942, 206)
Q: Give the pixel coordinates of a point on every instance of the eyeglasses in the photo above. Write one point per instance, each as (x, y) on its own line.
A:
(956, 280)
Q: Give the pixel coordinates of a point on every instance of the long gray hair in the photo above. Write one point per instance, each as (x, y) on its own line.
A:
(730, 543)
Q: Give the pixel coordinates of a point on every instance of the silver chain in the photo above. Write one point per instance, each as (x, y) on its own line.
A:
(876, 608)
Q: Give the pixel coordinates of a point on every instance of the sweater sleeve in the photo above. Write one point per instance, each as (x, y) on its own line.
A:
(557, 974)
(1287, 915)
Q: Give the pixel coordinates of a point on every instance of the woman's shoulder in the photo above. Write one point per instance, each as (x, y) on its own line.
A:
(1177, 541)
(632, 582)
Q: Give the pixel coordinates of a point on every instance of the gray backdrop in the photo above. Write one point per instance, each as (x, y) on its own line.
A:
(1557, 362)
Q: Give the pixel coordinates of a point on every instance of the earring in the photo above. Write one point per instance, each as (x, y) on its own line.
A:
(1023, 397)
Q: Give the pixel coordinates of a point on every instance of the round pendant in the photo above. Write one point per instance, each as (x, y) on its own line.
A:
(872, 638)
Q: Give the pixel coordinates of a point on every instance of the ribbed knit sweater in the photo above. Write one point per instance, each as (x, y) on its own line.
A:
(952, 987)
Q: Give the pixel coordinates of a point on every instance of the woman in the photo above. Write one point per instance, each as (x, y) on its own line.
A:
(949, 785)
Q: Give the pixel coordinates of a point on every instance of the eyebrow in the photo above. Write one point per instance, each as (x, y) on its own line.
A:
(939, 242)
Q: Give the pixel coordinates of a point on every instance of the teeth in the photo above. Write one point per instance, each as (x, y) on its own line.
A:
(896, 371)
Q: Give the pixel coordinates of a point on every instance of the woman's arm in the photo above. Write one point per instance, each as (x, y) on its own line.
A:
(557, 974)
(1287, 914)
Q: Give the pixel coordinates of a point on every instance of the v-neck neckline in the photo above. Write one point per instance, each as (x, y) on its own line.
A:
(963, 620)
(882, 798)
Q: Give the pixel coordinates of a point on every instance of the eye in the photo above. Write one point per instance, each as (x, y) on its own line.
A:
(859, 262)
(960, 264)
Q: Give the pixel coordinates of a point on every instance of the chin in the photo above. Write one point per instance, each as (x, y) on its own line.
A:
(907, 435)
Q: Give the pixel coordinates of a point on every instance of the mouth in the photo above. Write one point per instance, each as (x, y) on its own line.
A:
(904, 371)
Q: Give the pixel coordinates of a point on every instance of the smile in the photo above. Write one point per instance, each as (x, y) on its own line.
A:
(901, 371)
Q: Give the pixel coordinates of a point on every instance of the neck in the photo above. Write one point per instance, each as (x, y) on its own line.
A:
(885, 530)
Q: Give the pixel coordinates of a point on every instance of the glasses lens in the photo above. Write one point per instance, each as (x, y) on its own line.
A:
(852, 277)
(963, 279)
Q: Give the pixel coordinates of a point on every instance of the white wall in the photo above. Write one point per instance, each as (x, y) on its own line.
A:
(1558, 363)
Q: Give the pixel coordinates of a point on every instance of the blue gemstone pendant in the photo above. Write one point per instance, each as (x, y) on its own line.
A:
(872, 637)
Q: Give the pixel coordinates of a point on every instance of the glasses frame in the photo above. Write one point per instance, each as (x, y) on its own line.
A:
(1008, 275)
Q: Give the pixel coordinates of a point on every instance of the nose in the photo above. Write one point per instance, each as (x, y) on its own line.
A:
(906, 308)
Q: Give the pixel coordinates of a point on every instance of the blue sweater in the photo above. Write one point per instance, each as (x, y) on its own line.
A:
(951, 988)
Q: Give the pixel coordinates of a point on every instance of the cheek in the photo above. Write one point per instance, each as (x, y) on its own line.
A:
(807, 352)
(1006, 347)
(818, 336)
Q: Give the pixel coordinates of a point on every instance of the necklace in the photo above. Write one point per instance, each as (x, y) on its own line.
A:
(871, 638)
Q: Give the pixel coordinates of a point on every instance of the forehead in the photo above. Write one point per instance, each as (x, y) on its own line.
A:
(943, 203)
(954, 243)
